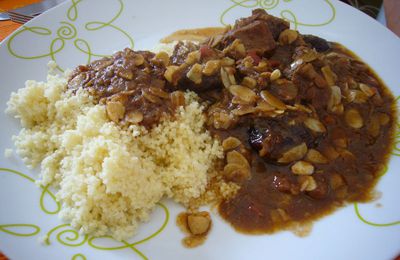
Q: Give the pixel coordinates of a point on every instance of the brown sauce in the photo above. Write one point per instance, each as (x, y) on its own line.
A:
(130, 79)
(266, 203)
(306, 126)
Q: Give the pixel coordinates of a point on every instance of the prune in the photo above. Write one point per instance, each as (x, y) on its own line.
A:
(255, 138)
(317, 43)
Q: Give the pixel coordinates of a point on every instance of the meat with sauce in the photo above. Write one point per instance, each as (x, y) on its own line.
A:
(131, 84)
(305, 125)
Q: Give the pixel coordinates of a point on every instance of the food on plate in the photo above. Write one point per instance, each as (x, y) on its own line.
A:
(110, 177)
(196, 225)
(274, 127)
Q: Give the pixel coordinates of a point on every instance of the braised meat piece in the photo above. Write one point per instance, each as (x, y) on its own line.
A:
(130, 83)
(304, 124)
(258, 32)
(125, 70)
(275, 24)
(255, 36)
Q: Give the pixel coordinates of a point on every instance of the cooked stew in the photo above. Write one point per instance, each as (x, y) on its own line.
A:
(306, 126)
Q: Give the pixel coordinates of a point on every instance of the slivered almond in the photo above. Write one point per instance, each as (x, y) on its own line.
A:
(226, 61)
(243, 110)
(249, 82)
(227, 76)
(243, 93)
(194, 74)
(163, 56)
(329, 75)
(293, 154)
(192, 57)
(126, 74)
(170, 72)
(115, 110)
(272, 100)
(237, 158)
(367, 90)
(276, 74)
(263, 106)
(307, 183)
(158, 92)
(334, 102)
(302, 168)
(316, 157)
(199, 223)
(315, 125)
(238, 101)
(353, 118)
(288, 36)
(236, 172)
(236, 48)
(138, 59)
(230, 143)
(222, 120)
(356, 96)
(150, 97)
(211, 67)
(134, 117)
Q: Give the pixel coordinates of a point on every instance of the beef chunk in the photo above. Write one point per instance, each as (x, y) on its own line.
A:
(275, 24)
(255, 36)
(283, 55)
(258, 32)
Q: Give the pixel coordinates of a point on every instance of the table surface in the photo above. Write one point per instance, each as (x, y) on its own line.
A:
(7, 27)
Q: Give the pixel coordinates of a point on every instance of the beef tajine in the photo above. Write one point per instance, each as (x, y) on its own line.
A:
(306, 126)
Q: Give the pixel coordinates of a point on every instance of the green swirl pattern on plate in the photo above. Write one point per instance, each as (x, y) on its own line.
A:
(65, 234)
(67, 33)
(78, 257)
(8, 228)
(45, 191)
(286, 14)
(357, 210)
(395, 152)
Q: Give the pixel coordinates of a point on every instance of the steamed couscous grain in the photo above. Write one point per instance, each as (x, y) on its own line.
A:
(109, 178)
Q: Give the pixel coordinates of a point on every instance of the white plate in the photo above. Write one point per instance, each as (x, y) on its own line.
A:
(67, 32)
